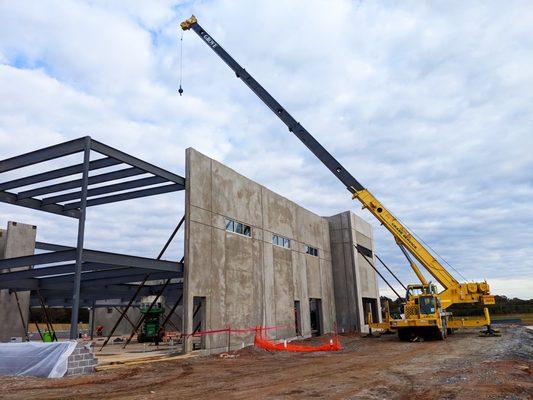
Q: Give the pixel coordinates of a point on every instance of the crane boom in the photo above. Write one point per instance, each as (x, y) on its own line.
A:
(454, 291)
(312, 144)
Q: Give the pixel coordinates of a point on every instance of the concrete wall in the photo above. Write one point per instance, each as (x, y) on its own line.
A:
(108, 316)
(248, 281)
(353, 278)
(18, 240)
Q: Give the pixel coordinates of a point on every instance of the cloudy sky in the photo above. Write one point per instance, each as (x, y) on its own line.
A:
(428, 104)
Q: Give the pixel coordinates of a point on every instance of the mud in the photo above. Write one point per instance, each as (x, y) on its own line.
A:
(465, 366)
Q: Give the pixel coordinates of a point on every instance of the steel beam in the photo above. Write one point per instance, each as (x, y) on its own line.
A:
(117, 187)
(113, 291)
(58, 270)
(126, 158)
(127, 196)
(48, 153)
(58, 173)
(36, 204)
(100, 178)
(37, 259)
(130, 261)
(51, 246)
(98, 279)
(20, 285)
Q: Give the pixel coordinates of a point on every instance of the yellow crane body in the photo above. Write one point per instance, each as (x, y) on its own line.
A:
(432, 320)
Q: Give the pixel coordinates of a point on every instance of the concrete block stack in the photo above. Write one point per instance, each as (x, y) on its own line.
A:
(81, 361)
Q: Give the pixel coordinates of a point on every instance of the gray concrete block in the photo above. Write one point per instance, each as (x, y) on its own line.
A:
(88, 370)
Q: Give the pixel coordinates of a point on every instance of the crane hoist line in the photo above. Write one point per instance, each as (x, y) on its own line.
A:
(424, 308)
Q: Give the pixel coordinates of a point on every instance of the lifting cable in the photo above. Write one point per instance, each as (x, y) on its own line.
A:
(412, 232)
(392, 273)
(375, 269)
(180, 90)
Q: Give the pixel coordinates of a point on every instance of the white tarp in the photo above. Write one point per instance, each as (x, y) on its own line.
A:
(48, 360)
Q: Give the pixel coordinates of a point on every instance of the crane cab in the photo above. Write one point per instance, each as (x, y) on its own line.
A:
(423, 314)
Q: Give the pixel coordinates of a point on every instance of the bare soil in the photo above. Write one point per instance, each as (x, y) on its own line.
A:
(465, 366)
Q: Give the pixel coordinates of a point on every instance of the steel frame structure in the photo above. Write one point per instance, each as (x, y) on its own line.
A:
(75, 276)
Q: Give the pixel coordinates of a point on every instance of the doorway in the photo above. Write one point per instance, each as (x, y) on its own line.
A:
(315, 314)
(198, 322)
(297, 318)
(370, 306)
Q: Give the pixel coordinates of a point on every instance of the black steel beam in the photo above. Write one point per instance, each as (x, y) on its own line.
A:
(100, 279)
(59, 270)
(127, 196)
(38, 259)
(126, 158)
(48, 153)
(117, 187)
(130, 261)
(294, 126)
(37, 272)
(58, 173)
(35, 204)
(51, 246)
(100, 178)
(57, 299)
(20, 285)
(115, 291)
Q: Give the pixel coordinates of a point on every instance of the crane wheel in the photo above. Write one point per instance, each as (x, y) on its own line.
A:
(405, 335)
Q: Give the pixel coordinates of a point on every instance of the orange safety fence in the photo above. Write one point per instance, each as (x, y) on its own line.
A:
(262, 342)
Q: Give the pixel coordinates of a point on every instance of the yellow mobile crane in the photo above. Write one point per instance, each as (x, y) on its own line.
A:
(425, 308)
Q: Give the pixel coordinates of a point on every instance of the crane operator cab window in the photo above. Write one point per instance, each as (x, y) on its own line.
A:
(427, 305)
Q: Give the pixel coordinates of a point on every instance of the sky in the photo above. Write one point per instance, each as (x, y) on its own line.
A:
(428, 104)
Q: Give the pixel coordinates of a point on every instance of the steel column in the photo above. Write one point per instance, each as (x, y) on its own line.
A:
(79, 248)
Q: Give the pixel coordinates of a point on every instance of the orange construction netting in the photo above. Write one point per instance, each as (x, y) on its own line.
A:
(264, 343)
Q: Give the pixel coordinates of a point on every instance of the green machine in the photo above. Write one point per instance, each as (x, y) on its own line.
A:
(150, 331)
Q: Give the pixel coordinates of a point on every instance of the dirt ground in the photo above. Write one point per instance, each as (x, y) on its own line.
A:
(463, 367)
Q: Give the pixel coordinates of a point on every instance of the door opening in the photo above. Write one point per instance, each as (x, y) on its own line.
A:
(297, 318)
(315, 313)
(370, 306)
(198, 322)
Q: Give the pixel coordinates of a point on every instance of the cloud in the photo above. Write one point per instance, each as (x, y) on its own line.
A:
(428, 105)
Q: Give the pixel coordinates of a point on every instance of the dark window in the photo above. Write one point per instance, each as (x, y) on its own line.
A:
(363, 250)
(281, 241)
(238, 227)
(229, 225)
(427, 305)
(311, 250)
